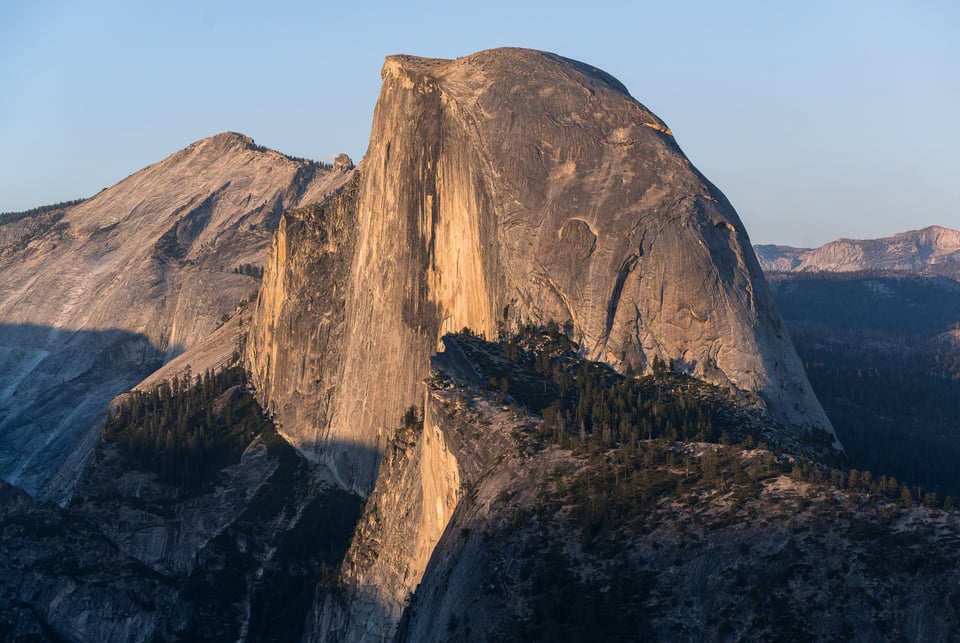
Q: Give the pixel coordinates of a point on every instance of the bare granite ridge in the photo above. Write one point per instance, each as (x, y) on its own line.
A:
(96, 295)
(933, 249)
(505, 187)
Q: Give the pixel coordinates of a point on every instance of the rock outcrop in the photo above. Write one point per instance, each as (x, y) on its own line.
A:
(158, 524)
(933, 250)
(97, 295)
(463, 438)
(526, 540)
(296, 340)
(59, 578)
(504, 187)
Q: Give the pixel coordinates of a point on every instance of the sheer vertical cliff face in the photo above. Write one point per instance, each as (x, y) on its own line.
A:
(515, 185)
(418, 488)
(465, 440)
(295, 343)
(426, 261)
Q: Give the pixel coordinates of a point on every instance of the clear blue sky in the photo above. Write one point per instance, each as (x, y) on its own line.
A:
(817, 119)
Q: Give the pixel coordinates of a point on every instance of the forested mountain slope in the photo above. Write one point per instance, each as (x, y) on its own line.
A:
(881, 352)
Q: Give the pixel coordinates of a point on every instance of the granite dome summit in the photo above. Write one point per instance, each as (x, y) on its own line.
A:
(508, 186)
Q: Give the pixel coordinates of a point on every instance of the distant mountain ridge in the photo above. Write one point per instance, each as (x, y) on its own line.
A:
(934, 250)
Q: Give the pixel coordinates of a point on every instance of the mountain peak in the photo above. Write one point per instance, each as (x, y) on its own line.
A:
(943, 237)
(505, 187)
(233, 143)
(224, 142)
(532, 70)
(134, 275)
(498, 60)
(229, 139)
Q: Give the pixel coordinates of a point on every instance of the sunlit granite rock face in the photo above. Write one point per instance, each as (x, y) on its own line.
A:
(95, 296)
(933, 250)
(504, 187)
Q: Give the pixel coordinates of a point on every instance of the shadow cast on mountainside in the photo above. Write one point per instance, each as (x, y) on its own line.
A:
(55, 385)
(301, 595)
(259, 546)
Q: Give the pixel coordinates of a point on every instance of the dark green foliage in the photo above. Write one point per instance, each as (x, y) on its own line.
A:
(886, 302)
(250, 270)
(413, 418)
(185, 430)
(10, 217)
(894, 402)
(589, 405)
(168, 246)
(308, 554)
(307, 551)
(299, 159)
(563, 606)
(891, 392)
(290, 537)
(631, 429)
(605, 590)
(261, 570)
(667, 457)
(619, 491)
(631, 423)
(25, 228)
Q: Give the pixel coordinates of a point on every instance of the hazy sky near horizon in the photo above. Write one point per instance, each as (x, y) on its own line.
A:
(817, 119)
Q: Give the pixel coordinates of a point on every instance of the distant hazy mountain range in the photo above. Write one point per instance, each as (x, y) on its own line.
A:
(933, 250)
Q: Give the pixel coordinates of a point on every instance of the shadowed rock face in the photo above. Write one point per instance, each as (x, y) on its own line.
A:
(296, 341)
(511, 186)
(95, 296)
